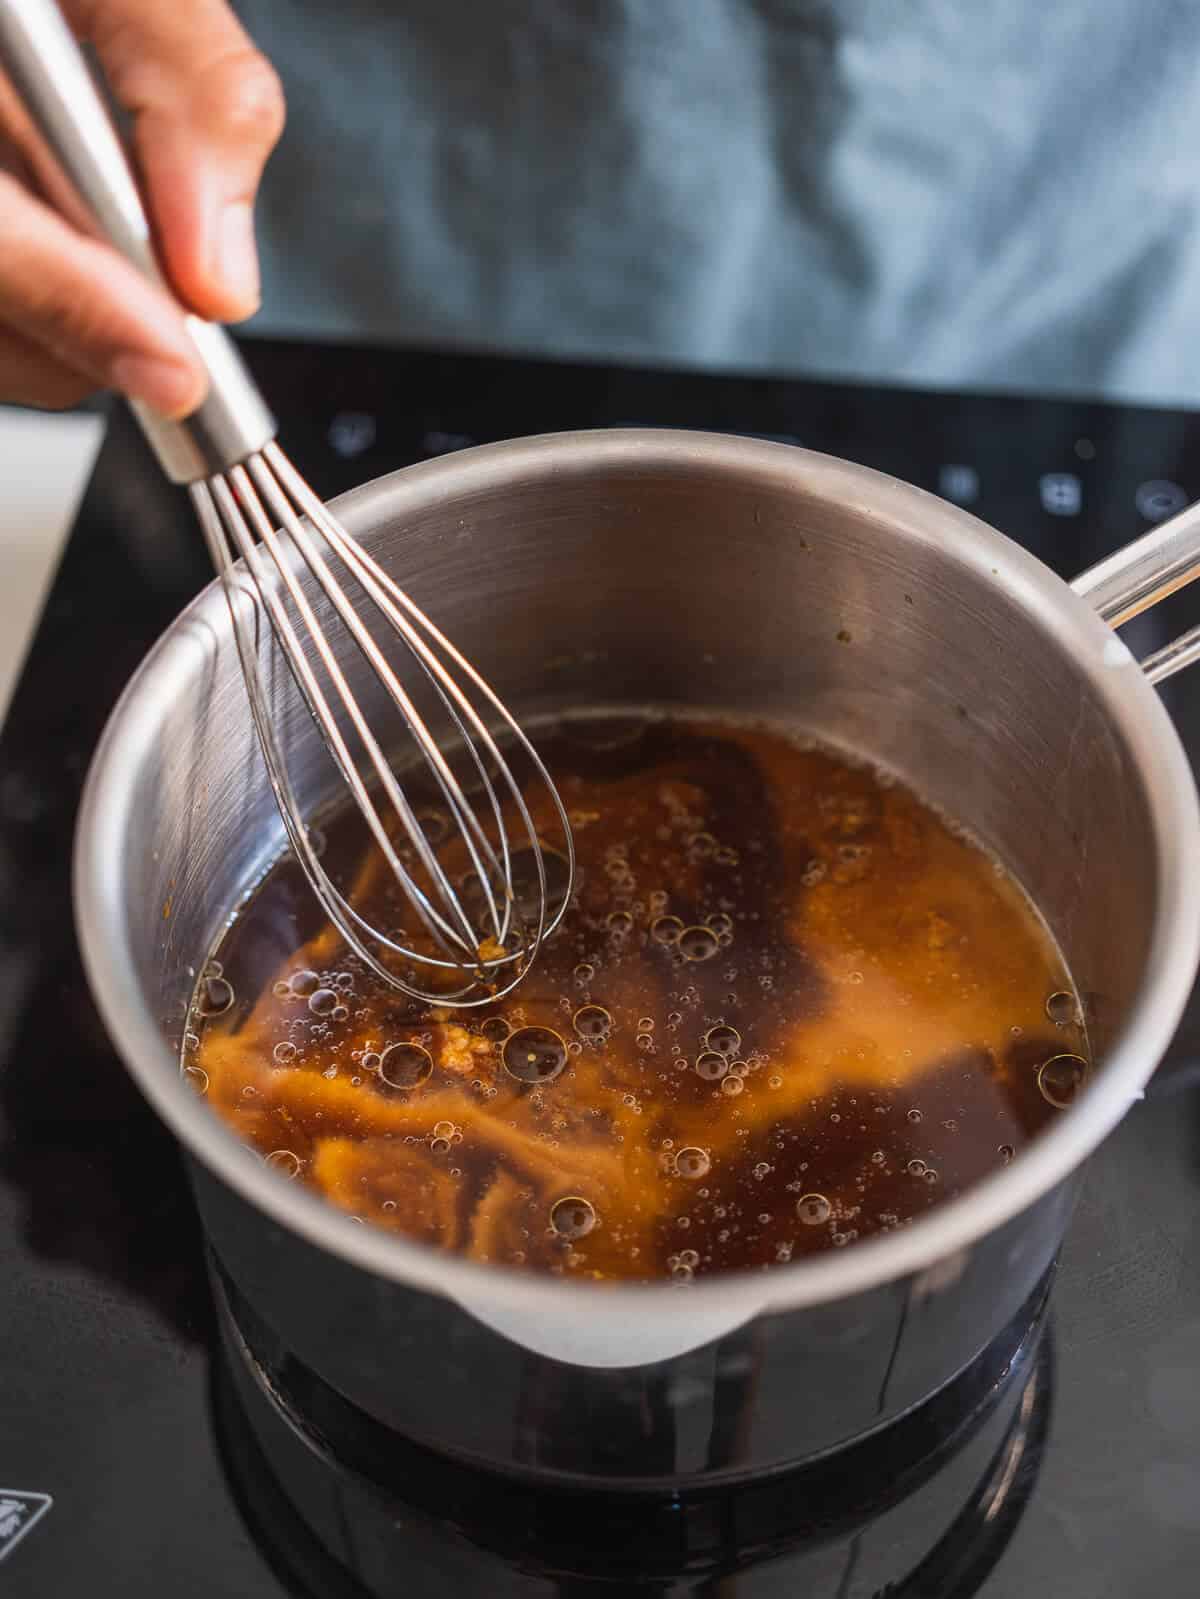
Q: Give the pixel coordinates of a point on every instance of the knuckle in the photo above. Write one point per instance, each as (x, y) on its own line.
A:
(55, 390)
(64, 321)
(71, 325)
(30, 377)
(245, 93)
(35, 297)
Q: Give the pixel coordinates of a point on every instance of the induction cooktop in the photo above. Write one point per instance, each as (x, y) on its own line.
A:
(145, 1447)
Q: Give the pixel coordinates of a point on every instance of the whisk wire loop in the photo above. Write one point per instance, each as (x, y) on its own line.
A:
(264, 513)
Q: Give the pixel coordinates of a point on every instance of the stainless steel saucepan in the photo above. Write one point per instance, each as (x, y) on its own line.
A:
(696, 571)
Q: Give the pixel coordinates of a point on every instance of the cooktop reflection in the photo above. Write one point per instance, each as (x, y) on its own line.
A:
(145, 1448)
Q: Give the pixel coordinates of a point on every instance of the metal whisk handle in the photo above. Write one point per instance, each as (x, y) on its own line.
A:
(96, 189)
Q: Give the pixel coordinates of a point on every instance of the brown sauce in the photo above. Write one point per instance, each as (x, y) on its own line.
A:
(789, 1007)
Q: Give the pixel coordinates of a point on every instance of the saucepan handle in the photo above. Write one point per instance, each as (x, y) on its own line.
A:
(1140, 574)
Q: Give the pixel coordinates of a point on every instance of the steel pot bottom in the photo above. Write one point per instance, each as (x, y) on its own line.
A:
(329, 1493)
(875, 1467)
(692, 572)
(774, 1391)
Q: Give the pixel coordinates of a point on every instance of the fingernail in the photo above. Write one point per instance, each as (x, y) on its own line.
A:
(168, 387)
(237, 255)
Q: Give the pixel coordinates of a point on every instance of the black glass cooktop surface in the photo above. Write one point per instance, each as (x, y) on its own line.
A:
(141, 1454)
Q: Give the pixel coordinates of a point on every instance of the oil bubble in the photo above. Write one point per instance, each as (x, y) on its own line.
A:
(1062, 1008)
(197, 1078)
(214, 996)
(723, 1039)
(495, 1029)
(914, 1115)
(1060, 1079)
(283, 1053)
(666, 929)
(692, 1163)
(698, 943)
(534, 1055)
(370, 1061)
(592, 1022)
(619, 923)
(645, 1024)
(405, 1065)
(282, 989)
(572, 1217)
(305, 983)
(444, 1129)
(322, 1002)
(191, 1043)
(813, 1209)
(732, 1085)
(439, 1146)
(434, 824)
(584, 972)
(711, 1066)
(720, 923)
(284, 1161)
(1006, 1153)
(916, 1168)
(527, 887)
(338, 1013)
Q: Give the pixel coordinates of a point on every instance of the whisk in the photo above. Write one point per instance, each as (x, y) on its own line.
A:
(483, 927)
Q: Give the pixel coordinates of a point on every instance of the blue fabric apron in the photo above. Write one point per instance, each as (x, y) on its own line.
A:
(989, 193)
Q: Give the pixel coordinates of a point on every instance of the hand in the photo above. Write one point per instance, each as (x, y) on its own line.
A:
(207, 110)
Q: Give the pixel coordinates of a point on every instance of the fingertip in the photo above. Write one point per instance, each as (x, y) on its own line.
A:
(235, 260)
(205, 233)
(172, 388)
(216, 268)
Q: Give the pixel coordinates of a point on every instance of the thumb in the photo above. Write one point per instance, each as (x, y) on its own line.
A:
(207, 111)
